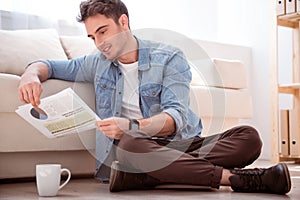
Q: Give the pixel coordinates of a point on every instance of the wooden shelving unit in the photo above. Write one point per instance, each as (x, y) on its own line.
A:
(290, 21)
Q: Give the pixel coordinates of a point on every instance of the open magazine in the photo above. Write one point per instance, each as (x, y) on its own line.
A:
(61, 114)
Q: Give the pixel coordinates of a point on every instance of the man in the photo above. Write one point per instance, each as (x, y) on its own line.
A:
(142, 97)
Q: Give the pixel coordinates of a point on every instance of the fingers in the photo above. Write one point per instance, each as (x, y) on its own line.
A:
(36, 94)
(106, 126)
(113, 127)
(111, 132)
(105, 122)
(30, 93)
(21, 95)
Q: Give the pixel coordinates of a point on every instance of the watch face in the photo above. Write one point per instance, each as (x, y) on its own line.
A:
(134, 124)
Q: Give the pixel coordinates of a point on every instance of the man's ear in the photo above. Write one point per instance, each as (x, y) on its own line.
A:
(123, 21)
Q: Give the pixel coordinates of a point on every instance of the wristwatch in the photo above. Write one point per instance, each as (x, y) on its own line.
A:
(134, 125)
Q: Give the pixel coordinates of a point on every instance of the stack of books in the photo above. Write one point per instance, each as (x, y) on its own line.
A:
(284, 7)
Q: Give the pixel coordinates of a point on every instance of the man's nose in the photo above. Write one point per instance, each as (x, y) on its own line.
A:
(98, 43)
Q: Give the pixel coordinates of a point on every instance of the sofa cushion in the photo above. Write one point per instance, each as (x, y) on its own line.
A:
(76, 46)
(234, 74)
(219, 73)
(20, 47)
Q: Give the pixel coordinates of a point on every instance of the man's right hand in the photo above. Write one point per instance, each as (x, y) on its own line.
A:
(30, 87)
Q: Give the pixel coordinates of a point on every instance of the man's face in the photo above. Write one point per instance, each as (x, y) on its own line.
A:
(110, 38)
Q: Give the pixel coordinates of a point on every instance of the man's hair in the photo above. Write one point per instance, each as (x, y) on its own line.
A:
(109, 8)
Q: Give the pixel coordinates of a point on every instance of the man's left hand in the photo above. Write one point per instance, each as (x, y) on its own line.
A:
(113, 127)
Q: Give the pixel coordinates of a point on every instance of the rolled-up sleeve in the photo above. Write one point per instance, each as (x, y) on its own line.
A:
(176, 84)
(78, 69)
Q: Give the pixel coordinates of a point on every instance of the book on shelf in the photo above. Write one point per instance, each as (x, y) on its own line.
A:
(294, 132)
(284, 133)
(280, 7)
(290, 6)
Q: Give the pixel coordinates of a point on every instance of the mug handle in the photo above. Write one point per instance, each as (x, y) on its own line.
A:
(68, 179)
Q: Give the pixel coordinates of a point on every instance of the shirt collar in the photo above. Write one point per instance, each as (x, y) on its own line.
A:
(144, 54)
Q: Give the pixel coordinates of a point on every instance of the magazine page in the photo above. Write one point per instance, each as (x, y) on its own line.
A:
(61, 114)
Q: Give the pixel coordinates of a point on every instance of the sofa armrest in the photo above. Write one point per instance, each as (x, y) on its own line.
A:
(9, 92)
(10, 98)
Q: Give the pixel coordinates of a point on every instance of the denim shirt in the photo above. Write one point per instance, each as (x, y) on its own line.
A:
(164, 86)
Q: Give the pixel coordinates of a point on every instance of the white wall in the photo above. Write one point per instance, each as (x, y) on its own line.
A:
(285, 62)
(52, 9)
(249, 23)
(193, 18)
(240, 22)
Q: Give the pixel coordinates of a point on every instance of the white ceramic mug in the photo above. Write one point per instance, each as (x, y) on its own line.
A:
(48, 179)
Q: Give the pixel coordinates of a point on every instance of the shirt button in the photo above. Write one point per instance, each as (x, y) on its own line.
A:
(120, 92)
(117, 113)
(104, 86)
(120, 74)
(153, 93)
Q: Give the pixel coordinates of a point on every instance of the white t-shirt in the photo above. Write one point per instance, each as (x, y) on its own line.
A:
(130, 101)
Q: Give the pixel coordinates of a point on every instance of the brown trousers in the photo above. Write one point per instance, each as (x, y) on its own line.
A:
(197, 161)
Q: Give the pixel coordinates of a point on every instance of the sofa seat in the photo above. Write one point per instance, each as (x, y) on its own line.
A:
(219, 95)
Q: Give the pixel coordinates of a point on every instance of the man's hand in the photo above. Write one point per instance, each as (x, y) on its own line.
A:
(30, 87)
(158, 125)
(113, 127)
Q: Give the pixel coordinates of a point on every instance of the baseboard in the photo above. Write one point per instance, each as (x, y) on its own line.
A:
(21, 165)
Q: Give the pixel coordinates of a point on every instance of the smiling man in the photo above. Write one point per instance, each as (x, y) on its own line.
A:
(148, 135)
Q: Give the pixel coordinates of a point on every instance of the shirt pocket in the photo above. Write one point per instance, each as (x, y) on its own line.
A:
(151, 95)
(105, 93)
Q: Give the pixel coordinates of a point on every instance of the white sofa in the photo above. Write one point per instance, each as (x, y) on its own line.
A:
(220, 104)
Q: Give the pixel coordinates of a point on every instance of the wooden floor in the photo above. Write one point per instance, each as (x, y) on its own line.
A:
(92, 189)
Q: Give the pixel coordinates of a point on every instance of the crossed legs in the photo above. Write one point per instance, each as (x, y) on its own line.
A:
(199, 161)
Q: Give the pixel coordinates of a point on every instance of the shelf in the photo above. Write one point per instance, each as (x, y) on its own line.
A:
(292, 157)
(295, 159)
(288, 88)
(289, 20)
(289, 157)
